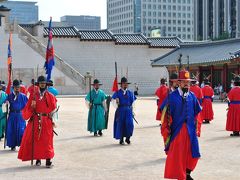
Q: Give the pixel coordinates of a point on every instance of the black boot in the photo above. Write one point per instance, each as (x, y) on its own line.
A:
(95, 133)
(13, 149)
(207, 121)
(235, 133)
(49, 163)
(128, 140)
(38, 162)
(188, 172)
(121, 141)
(100, 133)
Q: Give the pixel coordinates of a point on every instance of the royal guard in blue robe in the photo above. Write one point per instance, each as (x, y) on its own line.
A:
(123, 120)
(16, 124)
(179, 130)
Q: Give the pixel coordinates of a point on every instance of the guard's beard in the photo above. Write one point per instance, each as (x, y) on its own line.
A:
(185, 90)
(42, 89)
(124, 88)
(175, 87)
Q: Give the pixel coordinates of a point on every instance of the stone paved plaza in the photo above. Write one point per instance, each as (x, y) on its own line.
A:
(79, 155)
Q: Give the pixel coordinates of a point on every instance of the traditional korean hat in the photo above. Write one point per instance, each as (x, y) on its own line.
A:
(184, 75)
(41, 79)
(173, 77)
(50, 83)
(236, 78)
(124, 80)
(163, 81)
(96, 81)
(16, 83)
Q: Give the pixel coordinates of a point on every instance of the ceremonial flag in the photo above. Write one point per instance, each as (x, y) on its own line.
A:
(9, 63)
(49, 63)
(115, 83)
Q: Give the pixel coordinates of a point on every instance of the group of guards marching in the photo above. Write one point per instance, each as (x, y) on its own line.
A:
(36, 106)
(182, 108)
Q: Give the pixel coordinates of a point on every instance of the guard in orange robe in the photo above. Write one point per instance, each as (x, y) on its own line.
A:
(233, 115)
(198, 93)
(161, 93)
(39, 109)
(179, 130)
(208, 94)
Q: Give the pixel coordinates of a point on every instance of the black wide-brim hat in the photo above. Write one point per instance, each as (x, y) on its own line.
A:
(237, 79)
(42, 79)
(16, 83)
(124, 80)
(96, 81)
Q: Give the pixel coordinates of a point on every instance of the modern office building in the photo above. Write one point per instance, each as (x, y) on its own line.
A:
(83, 22)
(187, 19)
(22, 11)
(171, 17)
(216, 18)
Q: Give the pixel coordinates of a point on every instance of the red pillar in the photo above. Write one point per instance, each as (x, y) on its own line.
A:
(211, 70)
(224, 77)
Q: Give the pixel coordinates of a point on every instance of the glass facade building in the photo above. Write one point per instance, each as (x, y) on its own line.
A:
(23, 11)
(83, 22)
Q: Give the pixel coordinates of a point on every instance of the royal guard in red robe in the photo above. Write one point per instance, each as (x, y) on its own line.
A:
(39, 111)
(233, 115)
(199, 95)
(161, 93)
(179, 130)
(31, 88)
(23, 89)
(208, 94)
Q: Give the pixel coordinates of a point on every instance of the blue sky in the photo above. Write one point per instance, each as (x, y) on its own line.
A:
(58, 8)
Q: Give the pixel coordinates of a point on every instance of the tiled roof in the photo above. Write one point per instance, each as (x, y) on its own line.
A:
(167, 42)
(62, 32)
(130, 39)
(206, 53)
(59, 30)
(92, 35)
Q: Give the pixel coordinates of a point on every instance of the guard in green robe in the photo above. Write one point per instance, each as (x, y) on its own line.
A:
(3, 97)
(96, 102)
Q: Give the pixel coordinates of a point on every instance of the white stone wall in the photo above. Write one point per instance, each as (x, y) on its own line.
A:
(99, 57)
(25, 62)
